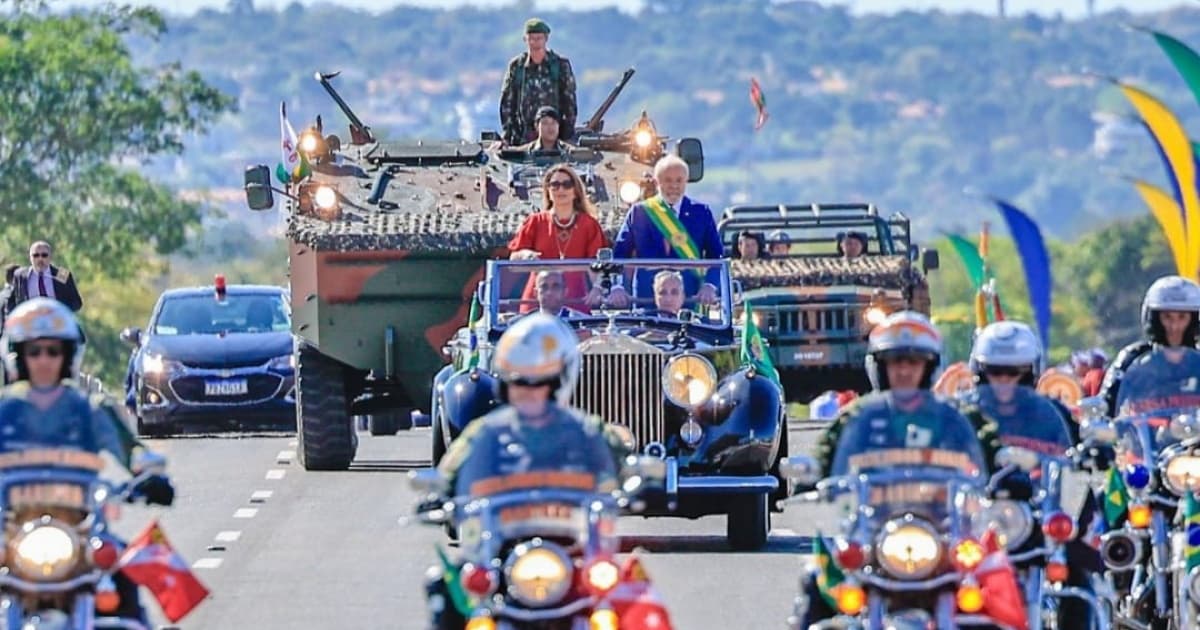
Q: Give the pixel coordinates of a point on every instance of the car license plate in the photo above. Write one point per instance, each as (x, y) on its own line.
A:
(225, 388)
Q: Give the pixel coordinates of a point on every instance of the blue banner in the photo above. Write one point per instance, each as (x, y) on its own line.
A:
(1036, 261)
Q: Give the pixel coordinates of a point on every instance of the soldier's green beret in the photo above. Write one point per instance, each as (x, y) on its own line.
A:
(536, 25)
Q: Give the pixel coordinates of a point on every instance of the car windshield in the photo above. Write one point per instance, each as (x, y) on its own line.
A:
(576, 289)
(1025, 418)
(237, 313)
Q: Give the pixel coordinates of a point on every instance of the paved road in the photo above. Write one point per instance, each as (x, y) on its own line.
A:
(283, 548)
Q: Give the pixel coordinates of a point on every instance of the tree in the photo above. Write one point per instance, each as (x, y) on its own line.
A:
(77, 117)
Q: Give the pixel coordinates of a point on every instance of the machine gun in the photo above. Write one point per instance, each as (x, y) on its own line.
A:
(595, 124)
(359, 133)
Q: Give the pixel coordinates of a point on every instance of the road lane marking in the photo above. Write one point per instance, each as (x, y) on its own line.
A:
(276, 473)
(261, 496)
(228, 536)
(245, 513)
(208, 563)
(285, 457)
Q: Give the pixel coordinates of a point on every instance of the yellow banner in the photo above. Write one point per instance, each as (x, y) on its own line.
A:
(1170, 218)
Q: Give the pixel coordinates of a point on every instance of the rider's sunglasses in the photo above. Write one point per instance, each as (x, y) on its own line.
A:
(38, 350)
(1003, 370)
(561, 184)
(40, 255)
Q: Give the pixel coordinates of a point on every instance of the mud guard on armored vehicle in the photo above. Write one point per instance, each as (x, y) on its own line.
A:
(387, 242)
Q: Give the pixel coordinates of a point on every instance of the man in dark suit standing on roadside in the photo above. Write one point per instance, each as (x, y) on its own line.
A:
(42, 279)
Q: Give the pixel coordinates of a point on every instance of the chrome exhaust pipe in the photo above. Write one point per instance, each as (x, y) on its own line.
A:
(1120, 551)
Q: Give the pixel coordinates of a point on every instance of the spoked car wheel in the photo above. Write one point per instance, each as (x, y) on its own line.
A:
(748, 522)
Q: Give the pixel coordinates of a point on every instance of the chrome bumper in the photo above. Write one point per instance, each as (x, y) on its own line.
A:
(715, 484)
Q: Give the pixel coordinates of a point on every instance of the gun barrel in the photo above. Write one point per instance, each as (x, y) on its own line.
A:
(355, 122)
(593, 123)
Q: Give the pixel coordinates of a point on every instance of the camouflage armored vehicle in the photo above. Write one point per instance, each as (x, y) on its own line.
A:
(816, 307)
(388, 240)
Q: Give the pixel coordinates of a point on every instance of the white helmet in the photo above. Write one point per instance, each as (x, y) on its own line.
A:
(1170, 293)
(41, 318)
(903, 333)
(539, 349)
(1008, 344)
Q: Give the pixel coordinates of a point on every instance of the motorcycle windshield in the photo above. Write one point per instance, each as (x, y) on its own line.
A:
(1160, 382)
(1025, 418)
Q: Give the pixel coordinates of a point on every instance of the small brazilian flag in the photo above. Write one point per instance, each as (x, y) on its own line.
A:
(829, 574)
(1116, 498)
(472, 361)
(450, 575)
(754, 349)
(1191, 524)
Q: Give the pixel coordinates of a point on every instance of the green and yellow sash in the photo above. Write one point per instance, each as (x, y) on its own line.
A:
(667, 222)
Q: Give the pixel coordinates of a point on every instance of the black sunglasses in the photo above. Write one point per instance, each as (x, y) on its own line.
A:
(561, 184)
(41, 255)
(1003, 370)
(51, 351)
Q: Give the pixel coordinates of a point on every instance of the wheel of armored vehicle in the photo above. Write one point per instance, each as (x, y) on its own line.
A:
(324, 427)
(748, 522)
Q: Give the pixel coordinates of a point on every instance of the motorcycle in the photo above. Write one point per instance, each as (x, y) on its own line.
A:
(907, 552)
(1157, 455)
(1025, 501)
(538, 549)
(59, 556)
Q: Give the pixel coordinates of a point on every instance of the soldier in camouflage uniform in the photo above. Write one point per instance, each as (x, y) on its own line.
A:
(536, 78)
(548, 124)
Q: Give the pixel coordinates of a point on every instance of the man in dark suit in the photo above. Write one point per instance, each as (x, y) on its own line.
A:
(42, 279)
(652, 229)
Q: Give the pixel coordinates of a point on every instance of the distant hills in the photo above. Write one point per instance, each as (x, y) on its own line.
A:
(904, 111)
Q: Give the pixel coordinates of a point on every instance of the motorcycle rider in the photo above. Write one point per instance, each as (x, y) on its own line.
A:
(1007, 359)
(1170, 314)
(43, 407)
(904, 354)
(537, 363)
(1171, 318)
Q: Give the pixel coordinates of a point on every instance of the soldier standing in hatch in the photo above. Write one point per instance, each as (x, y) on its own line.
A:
(536, 78)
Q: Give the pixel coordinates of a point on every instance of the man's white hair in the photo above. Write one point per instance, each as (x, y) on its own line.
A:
(667, 162)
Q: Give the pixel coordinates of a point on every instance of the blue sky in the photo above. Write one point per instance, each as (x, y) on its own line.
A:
(1070, 8)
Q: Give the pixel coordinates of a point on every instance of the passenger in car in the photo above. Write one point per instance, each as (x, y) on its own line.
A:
(748, 245)
(668, 293)
(551, 295)
(780, 243)
(852, 244)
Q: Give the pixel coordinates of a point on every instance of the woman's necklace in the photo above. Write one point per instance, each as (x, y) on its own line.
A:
(563, 225)
(563, 233)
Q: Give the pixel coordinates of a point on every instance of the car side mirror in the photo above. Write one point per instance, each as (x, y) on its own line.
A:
(690, 150)
(1023, 458)
(800, 469)
(930, 259)
(738, 292)
(426, 481)
(132, 336)
(257, 184)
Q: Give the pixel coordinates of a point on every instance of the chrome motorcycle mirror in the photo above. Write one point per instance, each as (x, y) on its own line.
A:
(1023, 458)
(800, 469)
(1098, 430)
(149, 462)
(427, 481)
(1185, 425)
(1093, 407)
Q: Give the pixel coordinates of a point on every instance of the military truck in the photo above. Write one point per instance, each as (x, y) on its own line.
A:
(815, 307)
(387, 242)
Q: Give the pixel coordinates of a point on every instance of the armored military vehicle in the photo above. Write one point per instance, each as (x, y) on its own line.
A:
(387, 242)
(816, 307)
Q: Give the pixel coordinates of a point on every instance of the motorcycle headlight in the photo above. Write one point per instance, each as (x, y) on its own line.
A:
(908, 549)
(538, 575)
(1012, 520)
(689, 380)
(1182, 472)
(45, 552)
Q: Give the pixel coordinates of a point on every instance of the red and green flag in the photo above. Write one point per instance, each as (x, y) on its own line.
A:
(293, 166)
(829, 574)
(760, 103)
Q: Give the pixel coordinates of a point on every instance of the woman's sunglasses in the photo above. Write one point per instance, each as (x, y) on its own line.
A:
(561, 184)
(51, 351)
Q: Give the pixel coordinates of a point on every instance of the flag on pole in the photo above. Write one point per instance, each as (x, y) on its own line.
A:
(1002, 601)
(1036, 261)
(1185, 60)
(293, 166)
(969, 253)
(754, 349)
(760, 103)
(150, 561)
(637, 604)
(473, 316)
(829, 574)
(450, 575)
(1116, 498)
(1170, 218)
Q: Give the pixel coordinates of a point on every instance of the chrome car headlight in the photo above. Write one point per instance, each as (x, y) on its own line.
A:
(45, 551)
(156, 364)
(538, 574)
(908, 549)
(1181, 473)
(688, 380)
(1012, 520)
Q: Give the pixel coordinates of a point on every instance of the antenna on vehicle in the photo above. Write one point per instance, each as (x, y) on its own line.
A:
(783, 211)
(816, 208)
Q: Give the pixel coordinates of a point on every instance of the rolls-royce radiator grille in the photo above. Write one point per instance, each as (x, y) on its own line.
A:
(624, 389)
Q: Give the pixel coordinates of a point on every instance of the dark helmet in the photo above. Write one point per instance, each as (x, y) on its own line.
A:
(859, 236)
(547, 110)
(41, 318)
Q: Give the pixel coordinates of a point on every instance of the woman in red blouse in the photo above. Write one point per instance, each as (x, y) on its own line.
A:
(567, 228)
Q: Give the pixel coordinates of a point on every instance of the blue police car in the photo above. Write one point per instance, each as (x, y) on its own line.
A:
(213, 355)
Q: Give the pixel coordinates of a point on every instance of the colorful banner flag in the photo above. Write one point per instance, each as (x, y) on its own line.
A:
(968, 252)
(760, 103)
(1191, 525)
(829, 574)
(636, 602)
(473, 316)
(1036, 261)
(1185, 60)
(450, 575)
(1170, 218)
(1116, 498)
(293, 166)
(150, 561)
(1003, 600)
(754, 350)
(1169, 134)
